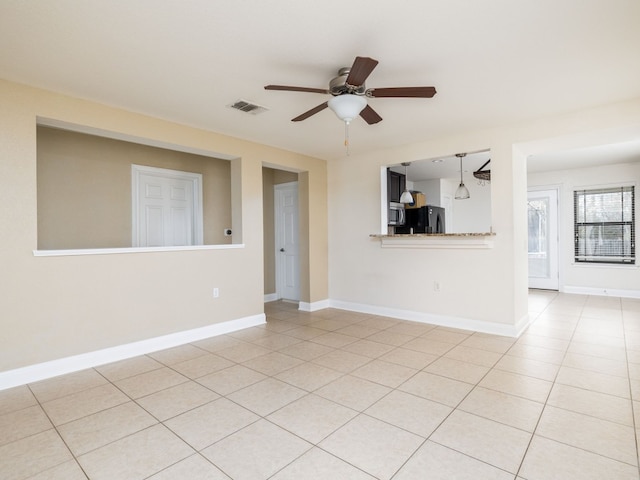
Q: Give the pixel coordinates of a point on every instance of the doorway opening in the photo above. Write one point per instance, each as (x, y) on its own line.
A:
(281, 236)
(543, 251)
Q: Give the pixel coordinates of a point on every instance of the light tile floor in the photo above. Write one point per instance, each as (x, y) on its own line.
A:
(341, 395)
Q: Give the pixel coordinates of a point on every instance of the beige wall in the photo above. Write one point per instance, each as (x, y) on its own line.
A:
(55, 307)
(486, 285)
(84, 189)
(271, 177)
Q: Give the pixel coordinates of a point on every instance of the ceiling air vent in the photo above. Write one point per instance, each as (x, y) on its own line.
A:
(248, 107)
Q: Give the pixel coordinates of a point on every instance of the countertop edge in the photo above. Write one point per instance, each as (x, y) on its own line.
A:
(433, 235)
(437, 240)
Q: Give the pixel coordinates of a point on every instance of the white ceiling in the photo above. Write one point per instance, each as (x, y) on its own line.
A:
(493, 62)
(551, 160)
(445, 167)
(607, 154)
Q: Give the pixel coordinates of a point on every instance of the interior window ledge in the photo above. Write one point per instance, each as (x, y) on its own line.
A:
(111, 251)
(436, 240)
(623, 266)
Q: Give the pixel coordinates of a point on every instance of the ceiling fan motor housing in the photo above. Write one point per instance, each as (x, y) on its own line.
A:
(339, 86)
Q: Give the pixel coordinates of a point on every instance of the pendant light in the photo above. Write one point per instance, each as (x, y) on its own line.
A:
(462, 192)
(406, 196)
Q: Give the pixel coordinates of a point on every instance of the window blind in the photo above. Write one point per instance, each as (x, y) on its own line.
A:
(604, 225)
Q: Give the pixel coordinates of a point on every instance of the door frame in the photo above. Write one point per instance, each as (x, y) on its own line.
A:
(196, 182)
(559, 244)
(277, 219)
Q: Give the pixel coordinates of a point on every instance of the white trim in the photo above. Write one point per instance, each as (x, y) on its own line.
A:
(622, 266)
(384, 203)
(552, 186)
(314, 306)
(270, 297)
(110, 251)
(522, 324)
(470, 241)
(41, 371)
(441, 320)
(607, 292)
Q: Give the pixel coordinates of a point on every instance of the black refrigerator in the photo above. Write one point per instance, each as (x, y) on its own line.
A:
(427, 219)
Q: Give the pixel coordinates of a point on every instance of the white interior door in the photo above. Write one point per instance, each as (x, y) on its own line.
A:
(166, 207)
(287, 241)
(543, 239)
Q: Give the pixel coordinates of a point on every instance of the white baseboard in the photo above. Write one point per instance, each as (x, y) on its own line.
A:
(607, 292)
(41, 371)
(270, 297)
(523, 324)
(313, 306)
(441, 320)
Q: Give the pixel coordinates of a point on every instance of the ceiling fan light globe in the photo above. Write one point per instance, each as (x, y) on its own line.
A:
(347, 106)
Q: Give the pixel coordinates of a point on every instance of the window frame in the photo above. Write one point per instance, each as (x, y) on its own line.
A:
(625, 256)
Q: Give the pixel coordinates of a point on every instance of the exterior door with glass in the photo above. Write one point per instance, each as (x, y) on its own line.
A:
(542, 211)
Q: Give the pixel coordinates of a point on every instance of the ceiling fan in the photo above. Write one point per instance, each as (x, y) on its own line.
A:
(349, 93)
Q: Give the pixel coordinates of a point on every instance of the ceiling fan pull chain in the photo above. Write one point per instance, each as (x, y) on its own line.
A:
(346, 137)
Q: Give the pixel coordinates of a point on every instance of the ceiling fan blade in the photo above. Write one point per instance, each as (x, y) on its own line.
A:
(295, 89)
(313, 111)
(360, 70)
(370, 115)
(407, 92)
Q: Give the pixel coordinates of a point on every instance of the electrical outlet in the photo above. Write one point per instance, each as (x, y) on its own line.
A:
(216, 292)
(436, 286)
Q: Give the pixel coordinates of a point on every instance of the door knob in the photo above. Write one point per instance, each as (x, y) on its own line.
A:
(282, 249)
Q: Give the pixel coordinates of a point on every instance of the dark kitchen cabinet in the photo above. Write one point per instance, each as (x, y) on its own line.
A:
(396, 183)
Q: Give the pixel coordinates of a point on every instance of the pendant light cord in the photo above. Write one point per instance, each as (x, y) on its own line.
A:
(462, 192)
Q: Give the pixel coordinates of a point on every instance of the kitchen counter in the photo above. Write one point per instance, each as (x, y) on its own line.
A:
(436, 240)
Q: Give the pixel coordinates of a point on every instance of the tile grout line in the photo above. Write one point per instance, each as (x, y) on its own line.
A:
(55, 428)
(581, 321)
(553, 383)
(631, 399)
(162, 422)
(453, 409)
(546, 403)
(363, 412)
